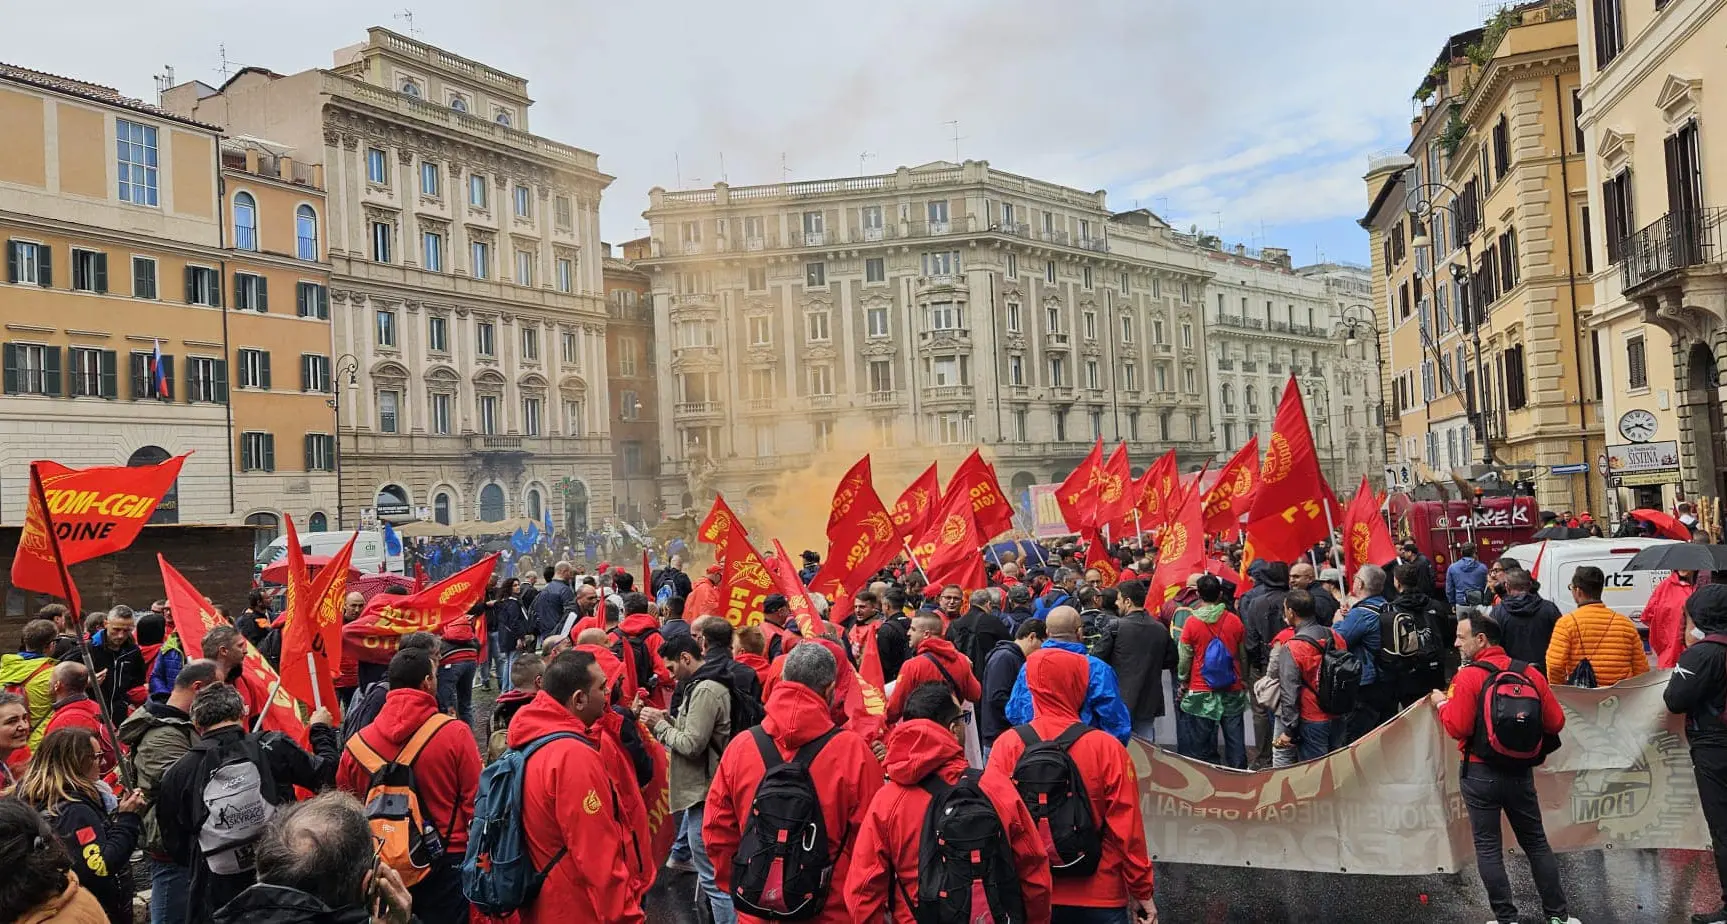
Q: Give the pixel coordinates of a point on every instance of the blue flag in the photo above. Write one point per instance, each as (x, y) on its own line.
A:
(533, 535)
(550, 530)
(392, 542)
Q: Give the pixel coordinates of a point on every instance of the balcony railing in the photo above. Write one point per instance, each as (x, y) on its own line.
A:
(696, 408)
(815, 238)
(1676, 241)
(1058, 339)
(1229, 320)
(882, 398)
(759, 404)
(1229, 410)
(1250, 365)
(1061, 392)
(947, 393)
(480, 443)
(1274, 368)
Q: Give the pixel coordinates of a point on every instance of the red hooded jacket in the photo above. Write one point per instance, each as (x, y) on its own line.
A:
(1664, 614)
(921, 669)
(1057, 681)
(757, 663)
(608, 734)
(647, 628)
(446, 774)
(1462, 709)
(892, 832)
(846, 776)
(84, 712)
(569, 802)
(845, 682)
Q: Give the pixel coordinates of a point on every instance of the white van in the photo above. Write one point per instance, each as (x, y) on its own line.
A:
(368, 557)
(1626, 591)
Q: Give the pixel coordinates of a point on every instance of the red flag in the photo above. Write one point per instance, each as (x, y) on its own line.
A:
(745, 582)
(658, 799)
(1366, 538)
(1077, 495)
(1180, 550)
(1115, 491)
(862, 536)
(951, 549)
(1160, 492)
(1097, 556)
(1234, 492)
(420, 576)
(1288, 514)
(917, 505)
(93, 512)
(989, 506)
(374, 636)
(257, 682)
(868, 711)
(312, 634)
(787, 582)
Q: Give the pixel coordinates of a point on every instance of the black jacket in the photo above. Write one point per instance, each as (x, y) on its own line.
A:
(893, 643)
(125, 670)
(1325, 606)
(1528, 623)
(510, 621)
(1262, 616)
(550, 604)
(180, 807)
(1698, 688)
(270, 904)
(101, 852)
(1414, 678)
(1001, 669)
(975, 635)
(1140, 652)
(679, 581)
(1017, 617)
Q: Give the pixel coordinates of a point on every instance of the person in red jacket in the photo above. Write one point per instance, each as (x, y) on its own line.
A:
(1492, 789)
(933, 659)
(570, 809)
(776, 612)
(1057, 680)
(446, 774)
(69, 689)
(607, 732)
(750, 648)
(639, 627)
(845, 772)
(925, 746)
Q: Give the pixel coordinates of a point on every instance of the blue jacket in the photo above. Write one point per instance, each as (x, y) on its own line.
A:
(1049, 601)
(1360, 630)
(167, 669)
(1465, 576)
(1102, 709)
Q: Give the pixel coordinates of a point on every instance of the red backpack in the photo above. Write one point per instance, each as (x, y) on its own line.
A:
(1508, 732)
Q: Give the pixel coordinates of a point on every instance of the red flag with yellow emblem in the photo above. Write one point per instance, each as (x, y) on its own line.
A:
(917, 505)
(1180, 550)
(1234, 492)
(1097, 556)
(377, 633)
(1158, 492)
(862, 535)
(951, 549)
(1077, 495)
(269, 706)
(1289, 512)
(989, 506)
(1115, 492)
(1366, 538)
(745, 582)
(312, 631)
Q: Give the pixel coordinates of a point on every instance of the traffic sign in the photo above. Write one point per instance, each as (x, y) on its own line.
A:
(1571, 468)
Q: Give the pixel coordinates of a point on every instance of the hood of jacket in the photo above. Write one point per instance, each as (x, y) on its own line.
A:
(640, 624)
(1414, 601)
(81, 705)
(942, 650)
(1707, 608)
(16, 667)
(154, 715)
(918, 747)
(404, 711)
(751, 660)
(1521, 605)
(1018, 655)
(796, 715)
(1056, 644)
(1208, 613)
(1256, 570)
(541, 716)
(271, 904)
(1057, 679)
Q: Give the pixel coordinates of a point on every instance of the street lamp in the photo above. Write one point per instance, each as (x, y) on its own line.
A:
(1421, 211)
(1354, 327)
(348, 369)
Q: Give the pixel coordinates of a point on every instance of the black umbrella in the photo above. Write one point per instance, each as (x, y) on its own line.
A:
(1562, 532)
(1679, 556)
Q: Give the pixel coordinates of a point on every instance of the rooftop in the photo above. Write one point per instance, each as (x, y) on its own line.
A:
(93, 91)
(935, 173)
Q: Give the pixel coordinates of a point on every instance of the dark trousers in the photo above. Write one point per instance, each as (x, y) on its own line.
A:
(1075, 914)
(1261, 723)
(1488, 793)
(438, 898)
(1374, 706)
(1196, 737)
(456, 688)
(1317, 739)
(1710, 765)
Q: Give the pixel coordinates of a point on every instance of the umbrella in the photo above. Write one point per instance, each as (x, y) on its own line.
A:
(1562, 532)
(1665, 524)
(370, 585)
(424, 528)
(1030, 553)
(278, 573)
(1679, 556)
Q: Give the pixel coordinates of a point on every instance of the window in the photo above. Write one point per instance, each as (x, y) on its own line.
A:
(251, 293)
(1501, 148)
(1013, 266)
(1015, 369)
(1162, 375)
(1088, 320)
(484, 342)
(1060, 416)
(503, 118)
(245, 221)
(1096, 418)
(315, 373)
(764, 440)
(756, 280)
(524, 268)
(1133, 425)
(1052, 319)
(135, 155)
(815, 275)
(257, 452)
(691, 234)
(753, 231)
(381, 234)
(1508, 259)
(1186, 293)
(566, 274)
(1092, 379)
(531, 346)
(880, 376)
(90, 271)
(1156, 287)
(306, 233)
(876, 321)
(477, 190)
(1609, 31)
(410, 88)
(629, 406)
(1685, 190)
(1021, 425)
(1129, 377)
(943, 263)
(30, 264)
(432, 243)
(1516, 387)
(952, 429)
(816, 326)
(1085, 276)
(937, 211)
(377, 169)
(530, 417)
(948, 370)
(1014, 325)
(815, 226)
(760, 384)
(143, 277)
(569, 349)
(875, 270)
(1124, 283)
(524, 202)
(1636, 366)
(386, 328)
(459, 104)
(562, 214)
(1186, 335)
(255, 369)
(821, 379)
(150, 382)
(388, 402)
(1049, 272)
(311, 300)
(944, 316)
(1048, 223)
(1057, 371)
(1189, 381)
(32, 369)
(206, 380)
(441, 407)
(480, 254)
(320, 452)
(761, 330)
(92, 373)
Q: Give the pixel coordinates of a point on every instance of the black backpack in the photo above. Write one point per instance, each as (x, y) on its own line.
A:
(647, 680)
(1053, 790)
(1508, 732)
(965, 866)
(1339, 683)
(783, 868)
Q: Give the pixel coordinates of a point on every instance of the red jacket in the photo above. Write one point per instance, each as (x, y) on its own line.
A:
(788, 639)
(1307, 658)
(646, 627)
(1664, 614)
(84, 712)
(1197, 634)
(892, 832)
(704, 600)
(846, 776)
(569, 802)
(1057, 681)
(446, 774)
(845, 682)
(607, 733)
(919, 669)
(757, 663)
(1463, 707)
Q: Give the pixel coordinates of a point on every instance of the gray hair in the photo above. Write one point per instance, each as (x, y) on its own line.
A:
(215, 705)
(1370, 579)
(812, 665)
(982, 599)
(13, 699)
(219, 637)
(321, 846)
(121, 612)
(996, 597)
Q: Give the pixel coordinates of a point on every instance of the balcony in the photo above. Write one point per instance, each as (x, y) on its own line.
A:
(758, 405)
(698, 409)
(882, 399)
(1229, 320)
(820, 402)
(1253, 323)
(815, 238)
(483, 443)
(1653, 257)
(874, 234)
(1061, 393)
(935, 394)
(691, 247)
(1058, 340)
(1019, 392)
(689, 353)
(754, 243)
(1229, 410)
(1015, 228)
(1163, 348)
(1281, 327)
(1226, 364)
(1250, 365)
(1274, 368)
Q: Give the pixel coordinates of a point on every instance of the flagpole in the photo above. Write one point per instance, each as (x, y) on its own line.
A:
(1330, 532)
(312, 675)
(913, 556)
(274, 689)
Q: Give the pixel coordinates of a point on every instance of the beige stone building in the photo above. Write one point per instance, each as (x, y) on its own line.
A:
(1656, 226)
(466, 290)
(917, 314)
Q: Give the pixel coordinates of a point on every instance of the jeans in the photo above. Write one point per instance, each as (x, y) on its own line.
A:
(438, 899)
(1198, 738)
(456, 688)
(718, 898)
(680, 840)
(505, 685)
(170, 884)
(1376, 705)
(1314, 741)
(1281, 757)
(1146, 731)
(1262, 727)
(1487, 793)
(1075, 914)
(1710, 765)
(491, 667)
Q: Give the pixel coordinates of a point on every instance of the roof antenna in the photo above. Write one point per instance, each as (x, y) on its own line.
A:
(785, 170)
(678, 168)
(861, 158)
(407, 16)
(164, 81)
(222, 53)
(723, 177)
(957, 138)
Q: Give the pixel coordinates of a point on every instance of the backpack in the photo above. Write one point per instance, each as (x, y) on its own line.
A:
(647, 679)
(1217, 665)
(1338, 685)
(1404, 636)
(965, 866)
(1583, 675)
(22, 687)
(1053, 790)
(406, 842)
(1508, 732)
(783, 867)
(498, 874)
(238, 802)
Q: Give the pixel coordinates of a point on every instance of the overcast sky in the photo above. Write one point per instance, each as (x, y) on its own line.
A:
(1255, 117)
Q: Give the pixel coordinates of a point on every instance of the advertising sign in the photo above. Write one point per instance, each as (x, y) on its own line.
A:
(1632, 465)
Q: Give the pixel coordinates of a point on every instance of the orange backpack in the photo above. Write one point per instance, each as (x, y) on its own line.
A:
(407, 842)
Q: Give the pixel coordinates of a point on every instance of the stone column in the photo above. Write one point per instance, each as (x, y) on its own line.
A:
(410, 232)
(352, 194)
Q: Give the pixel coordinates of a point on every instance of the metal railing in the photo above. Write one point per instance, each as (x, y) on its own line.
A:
(1675, 241)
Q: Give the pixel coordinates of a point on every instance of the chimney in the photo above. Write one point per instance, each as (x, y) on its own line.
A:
(1278, 256)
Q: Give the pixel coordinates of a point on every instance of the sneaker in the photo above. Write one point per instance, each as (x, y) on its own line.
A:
(1710, 917)
(680, 866)
(1558, 920)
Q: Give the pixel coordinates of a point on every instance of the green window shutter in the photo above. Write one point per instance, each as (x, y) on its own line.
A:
(263, 293)
(269, 452)
(110, 383)
(264, 369)
(323, 303)
(102, 273)
(52, 379)
(310, 441)
(305, 373)
(238, 301)
(300, 300)
(140, 377)
(11, 261)
(222, 381)
(11, 365)
(191, 285)
(45, 258)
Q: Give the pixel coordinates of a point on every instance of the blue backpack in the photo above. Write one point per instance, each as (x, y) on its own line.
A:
(498, 875)
(1218, 666)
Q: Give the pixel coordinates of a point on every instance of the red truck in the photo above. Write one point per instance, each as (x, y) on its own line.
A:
(1493, 524)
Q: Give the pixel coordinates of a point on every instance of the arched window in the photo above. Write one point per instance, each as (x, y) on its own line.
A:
(534, 504)
(318, 523)
(491, 503)
(392, 501)
(265, 527)
(502, 118)
(245, 221)
(441, 509)
(1228, 395)
(168, 509)
(411, 88)
(306, 233)
(459, 104)
(1252, 398)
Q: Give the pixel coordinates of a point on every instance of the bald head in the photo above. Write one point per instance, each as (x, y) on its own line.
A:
(1063, 623)
(353, 605)
(70, 678)
(593, 637)
(1301, 575)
